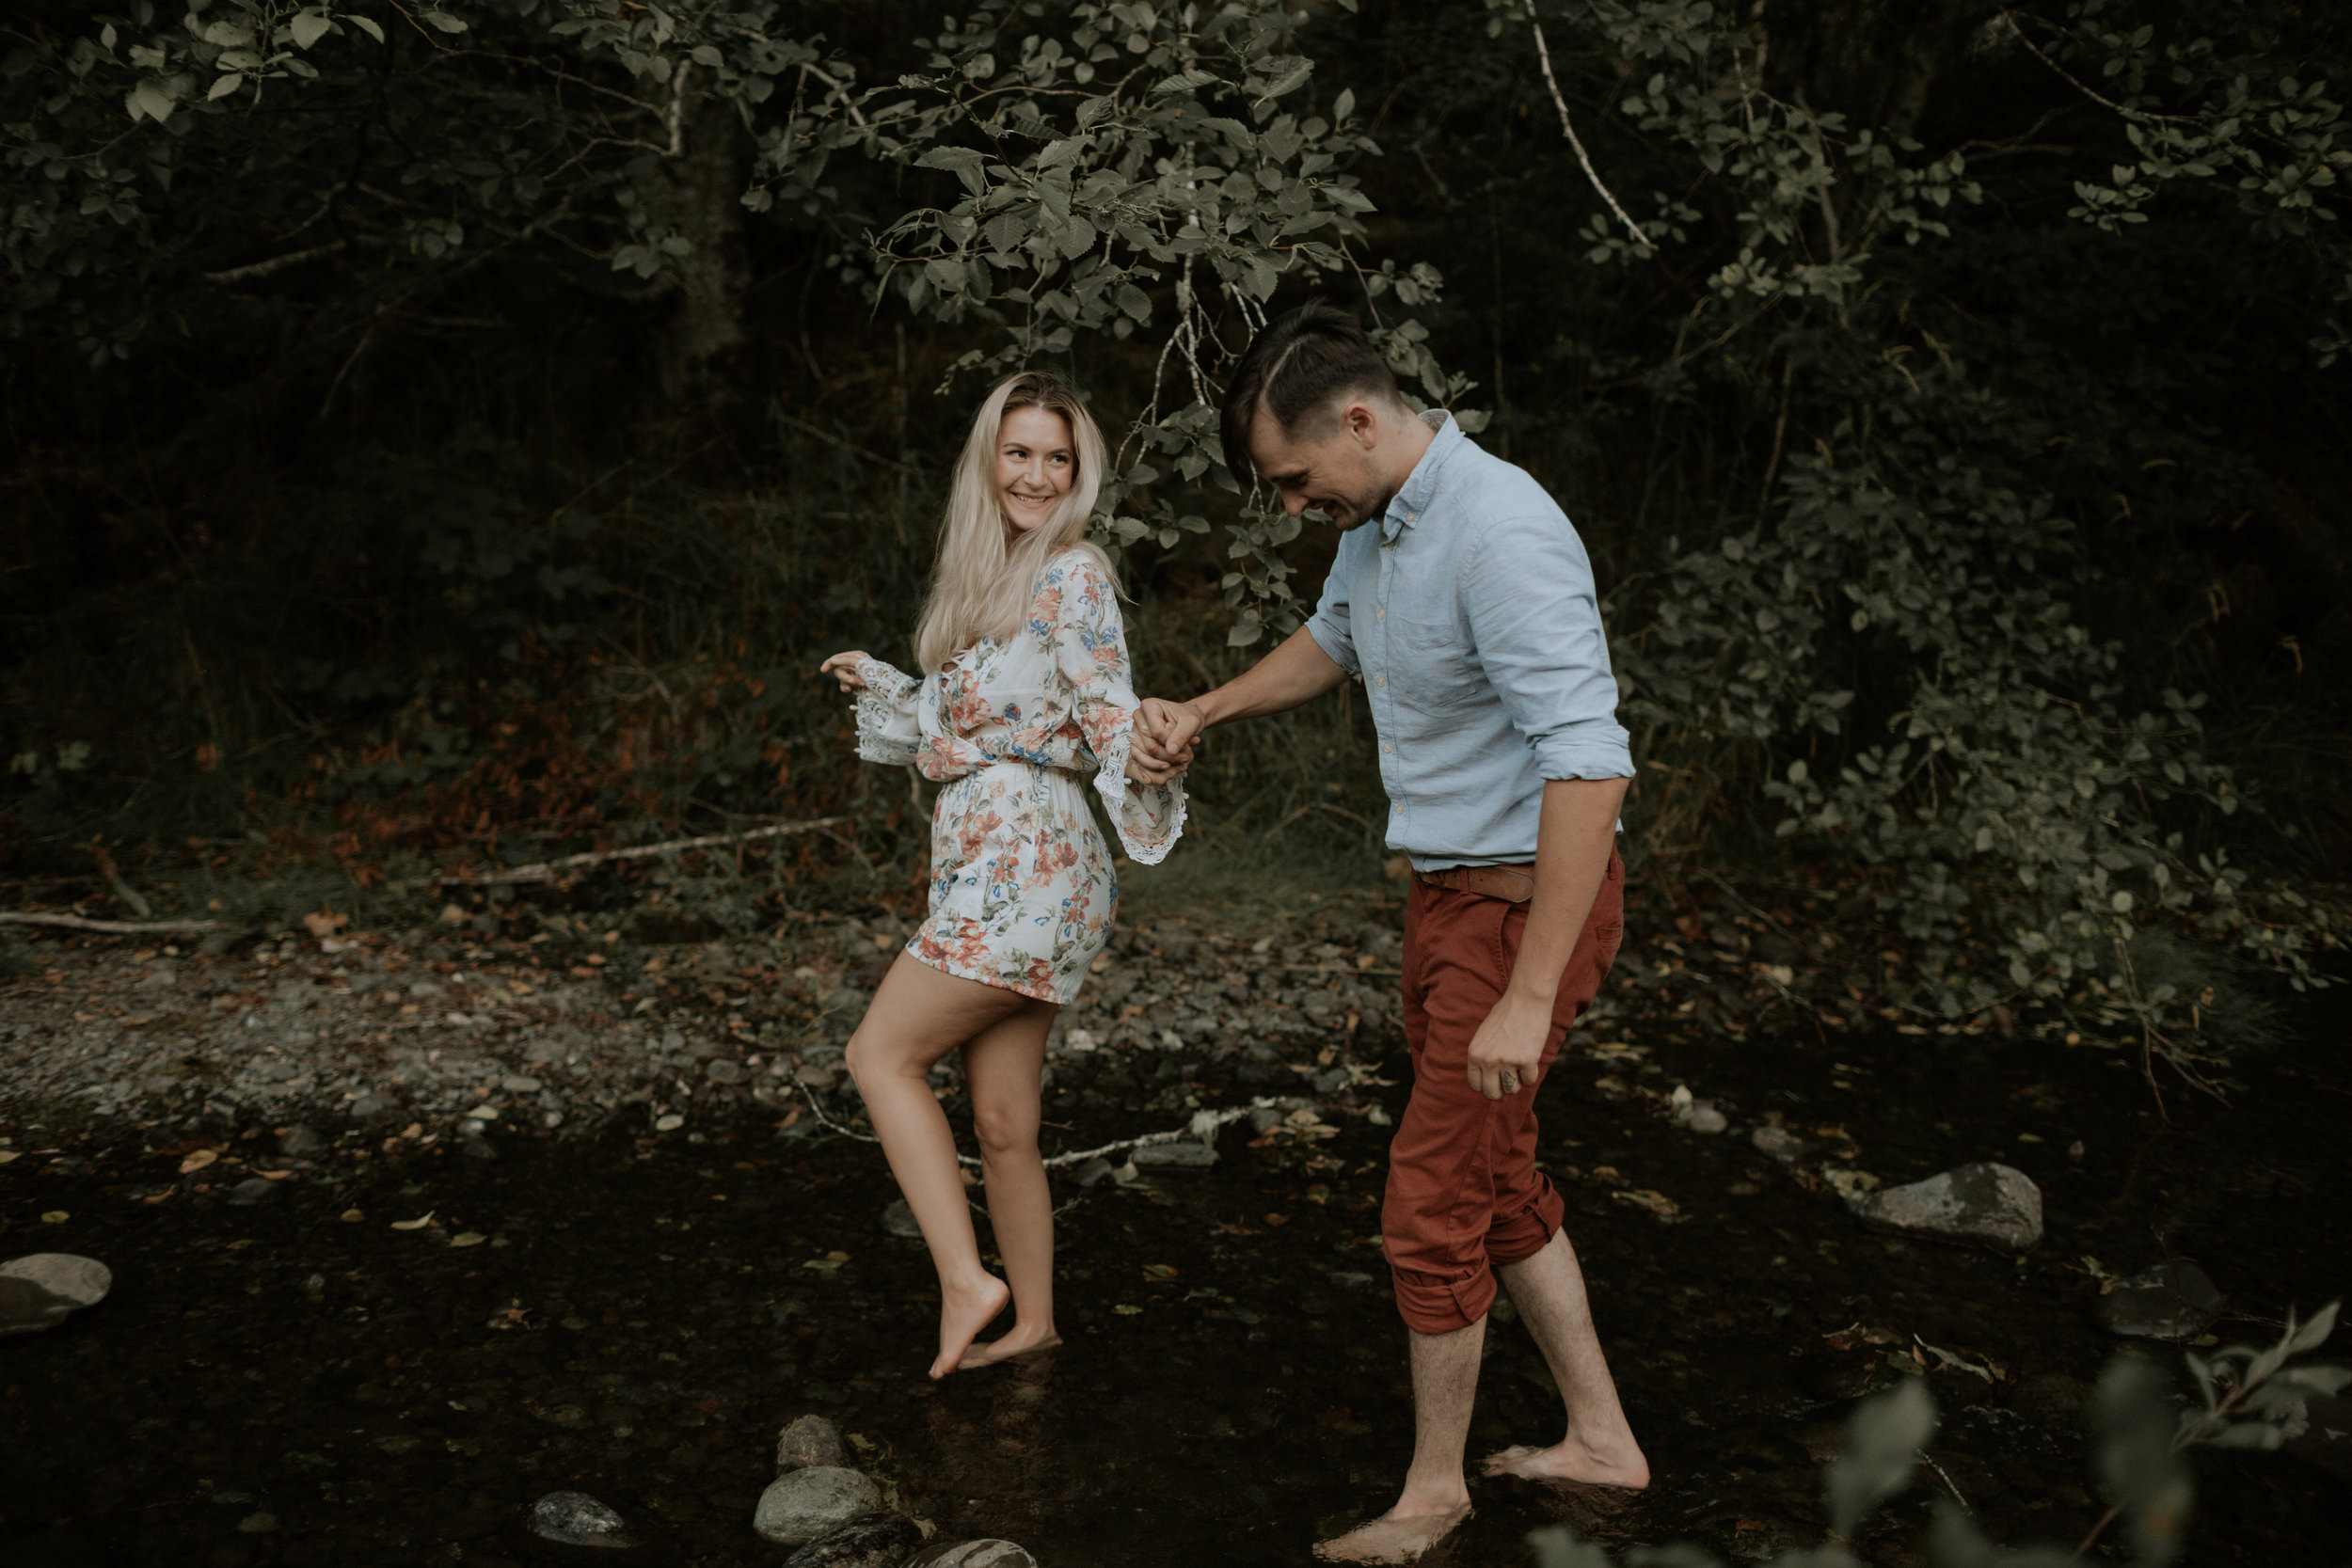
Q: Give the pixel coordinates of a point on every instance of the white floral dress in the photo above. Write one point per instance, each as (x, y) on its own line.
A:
(1022, 890)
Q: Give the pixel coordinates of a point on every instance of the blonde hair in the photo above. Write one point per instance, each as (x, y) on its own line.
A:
(986, 573)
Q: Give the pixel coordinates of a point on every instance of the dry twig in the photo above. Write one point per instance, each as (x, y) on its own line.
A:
(1543, 55)
(545, 870)
(112, 927)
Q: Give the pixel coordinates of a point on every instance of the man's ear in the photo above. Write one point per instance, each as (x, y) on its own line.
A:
(1362, 421)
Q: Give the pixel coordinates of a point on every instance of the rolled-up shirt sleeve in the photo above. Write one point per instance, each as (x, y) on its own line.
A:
(1331, 625)
(1535, 621)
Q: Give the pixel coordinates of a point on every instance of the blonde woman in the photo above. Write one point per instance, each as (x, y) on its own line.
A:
(1023, 693)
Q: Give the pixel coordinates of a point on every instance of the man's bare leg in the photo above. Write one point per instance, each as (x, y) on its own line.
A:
(1598, 1449)
(1435, 1498)
(1003, 1067)
(917, 1016)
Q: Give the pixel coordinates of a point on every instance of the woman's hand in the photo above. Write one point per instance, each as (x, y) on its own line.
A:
(843, 668)
(1150, 759)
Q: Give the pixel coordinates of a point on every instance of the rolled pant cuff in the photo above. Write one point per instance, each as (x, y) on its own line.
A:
(1432, 1303)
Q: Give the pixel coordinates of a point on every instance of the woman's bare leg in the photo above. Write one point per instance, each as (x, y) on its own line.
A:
(917, 1016)
(1003, 1067)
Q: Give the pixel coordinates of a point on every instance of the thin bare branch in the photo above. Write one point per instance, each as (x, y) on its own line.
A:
(545, 870)
(275, 263)
(111, 928)
(1543, 55)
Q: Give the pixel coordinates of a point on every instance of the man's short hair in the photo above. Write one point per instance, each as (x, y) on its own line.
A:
(1302, 363)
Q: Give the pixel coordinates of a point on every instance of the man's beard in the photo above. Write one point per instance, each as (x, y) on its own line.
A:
(1359, 517)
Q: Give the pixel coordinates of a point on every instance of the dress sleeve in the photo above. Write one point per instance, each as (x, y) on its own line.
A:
(1091, 657)
(886, 727)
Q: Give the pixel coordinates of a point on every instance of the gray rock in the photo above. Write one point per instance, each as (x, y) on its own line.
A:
(724, 1070)
(800, 1506)
(1266, 1118)
(1986, 1205)
(991, 1553)
(1706, 1118)
(80, 1281)
(1179, 1155)
(881, 1540)
(301, 1143)
(26, 1308)
(1779, 1143)
(900, 1220)
(519, 1082)
(473, 1145)
(368, 1109)
(810, 1440)
(2171, 1301)
(1093, 1171)
(577, 1519)
(251, 1191)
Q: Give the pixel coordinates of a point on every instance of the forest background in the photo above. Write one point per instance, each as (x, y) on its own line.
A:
(445, 438)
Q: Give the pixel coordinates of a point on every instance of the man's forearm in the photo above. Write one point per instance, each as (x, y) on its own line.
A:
(1572, 846)
(1297, 671)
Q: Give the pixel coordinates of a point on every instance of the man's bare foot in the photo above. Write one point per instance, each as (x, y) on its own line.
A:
(1020, 1343)
(1391, 1538)
(961, 1316)
(1573, 1464)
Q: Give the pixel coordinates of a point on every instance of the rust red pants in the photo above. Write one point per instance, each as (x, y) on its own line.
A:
(1464, 1194)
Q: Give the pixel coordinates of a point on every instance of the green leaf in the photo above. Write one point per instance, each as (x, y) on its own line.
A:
(1187, 81)
(308, 28)
(1345, 105)
(369, 26)
(2132, 1426)
(445, 22)
(225, 86)
(1880, 1453)
(150, 99)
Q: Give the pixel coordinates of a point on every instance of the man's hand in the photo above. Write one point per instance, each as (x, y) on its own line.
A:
(1509, 1046)
(1167, 735)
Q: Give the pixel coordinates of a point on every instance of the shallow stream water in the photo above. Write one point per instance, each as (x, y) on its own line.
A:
(282, 1385)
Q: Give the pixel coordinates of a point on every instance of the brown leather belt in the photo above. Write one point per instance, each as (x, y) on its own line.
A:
(1513, 885)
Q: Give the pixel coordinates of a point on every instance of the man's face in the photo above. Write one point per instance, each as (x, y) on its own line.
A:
(1325, 464)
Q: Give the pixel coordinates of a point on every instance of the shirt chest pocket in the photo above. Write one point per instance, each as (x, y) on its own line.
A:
(1429, 633)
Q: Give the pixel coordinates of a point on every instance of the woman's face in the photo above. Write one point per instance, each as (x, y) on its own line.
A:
(1035, 461)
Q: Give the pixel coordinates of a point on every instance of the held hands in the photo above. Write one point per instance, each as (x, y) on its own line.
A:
(1163, 746)
(1508, 1049)
(843, 668)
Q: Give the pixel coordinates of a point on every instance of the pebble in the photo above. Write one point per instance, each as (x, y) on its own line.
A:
(973, 1554)
(723, 1070)
(879, 1540)
(2171, 1301)
(900, 1220)
(519, 1082)
(800, 1506)
(1179, 1155)
(79, 1281)
(1093, 1171)
(301, 1143)
(26, 1308)
(577, 1519)
(251, 1191)
(1779, 1143)
(368, 1109)
(1706, 1118)
(1992, 1206)
(811, 1440)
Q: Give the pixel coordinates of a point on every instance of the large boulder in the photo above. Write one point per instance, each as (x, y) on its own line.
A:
(879, 1540)
(1985, 1205)
(798, 1507)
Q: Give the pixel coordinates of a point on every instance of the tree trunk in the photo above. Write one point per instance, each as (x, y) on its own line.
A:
(703, 190)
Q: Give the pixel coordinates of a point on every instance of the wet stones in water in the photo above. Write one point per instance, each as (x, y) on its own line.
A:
(301, 1143)
(900, 1221)
(879, 1540)
(252, 1190)
(2171, 1301)
(26, 1308)
(1180, 1155)
(800, 1506)
(1987, 1205)
(973, 1554)
(577, 1519)
(1779, 1143)
(812, 1440)
(77, 1281)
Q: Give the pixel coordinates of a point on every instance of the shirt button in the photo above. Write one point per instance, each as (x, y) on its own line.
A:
(1380, 680)
(1379, 614)
(1386, 747)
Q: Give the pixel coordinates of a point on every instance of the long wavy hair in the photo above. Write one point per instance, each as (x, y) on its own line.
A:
(986, 570)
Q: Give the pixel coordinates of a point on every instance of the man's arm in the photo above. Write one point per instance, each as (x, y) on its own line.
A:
(1296, 672)
(1572, 846)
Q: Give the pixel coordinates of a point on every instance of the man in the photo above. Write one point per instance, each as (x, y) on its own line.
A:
(1468, 609)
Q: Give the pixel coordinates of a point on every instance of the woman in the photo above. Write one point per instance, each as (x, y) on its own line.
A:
(1024, 692)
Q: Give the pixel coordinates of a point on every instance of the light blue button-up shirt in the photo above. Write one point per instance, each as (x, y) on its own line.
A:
(1469, 612)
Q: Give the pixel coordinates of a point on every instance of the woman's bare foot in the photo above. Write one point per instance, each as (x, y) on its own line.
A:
(1391, 1538)
(1570, 1462)
(1022, 1341)
(962, 1314)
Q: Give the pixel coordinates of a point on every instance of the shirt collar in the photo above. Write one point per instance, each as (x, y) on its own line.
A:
(1420, 486)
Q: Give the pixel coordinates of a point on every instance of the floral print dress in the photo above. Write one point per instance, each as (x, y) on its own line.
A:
(1022, 890)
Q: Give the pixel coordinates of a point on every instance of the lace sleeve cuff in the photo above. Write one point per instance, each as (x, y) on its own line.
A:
(1149, 818)
(886, 727)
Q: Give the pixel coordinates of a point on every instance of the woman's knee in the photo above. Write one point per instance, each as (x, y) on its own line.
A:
(869, 1059)
(1003, 1131)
